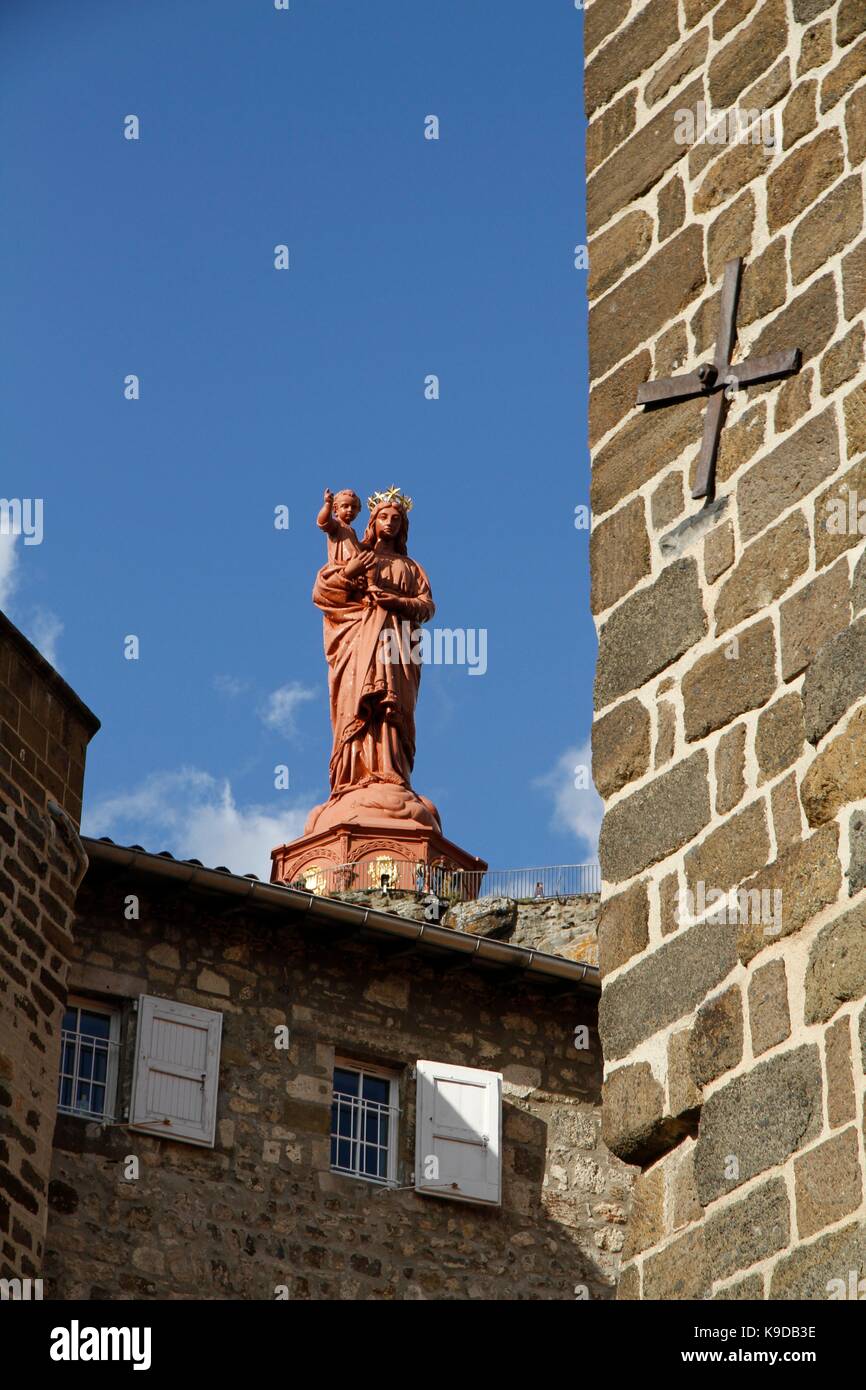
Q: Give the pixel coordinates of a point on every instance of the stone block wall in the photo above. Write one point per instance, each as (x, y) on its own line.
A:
(262, 1209)
(44, 732)
(558, 926)
(566, 926)
(730, 731)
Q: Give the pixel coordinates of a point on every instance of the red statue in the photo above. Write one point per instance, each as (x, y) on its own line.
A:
(373, 696)
(374, 829)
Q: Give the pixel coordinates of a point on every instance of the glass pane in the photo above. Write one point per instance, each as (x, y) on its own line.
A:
(376, 1088)
(97, 1100)
(100, 1065)
(70, 1021)
(346, 1082)
(65, 1092)
(373, 1162)
(95, 1025)
(371, 1126)
(67, 1057)
(343, 1150)
(359, 1113)
(342, 1119)
(85, 1061)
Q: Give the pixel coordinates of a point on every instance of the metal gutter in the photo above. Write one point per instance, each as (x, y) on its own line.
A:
(273, 895)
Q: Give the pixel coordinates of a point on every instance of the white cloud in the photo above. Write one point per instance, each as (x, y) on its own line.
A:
(281, 706)
(44, 627)
(232, 686)
(194, 815)
(8, 563)
(44, 632)
(577, 809)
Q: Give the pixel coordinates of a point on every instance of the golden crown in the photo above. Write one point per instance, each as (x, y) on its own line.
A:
(393, 496)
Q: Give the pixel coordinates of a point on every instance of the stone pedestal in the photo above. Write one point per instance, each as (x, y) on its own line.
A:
(369, 835)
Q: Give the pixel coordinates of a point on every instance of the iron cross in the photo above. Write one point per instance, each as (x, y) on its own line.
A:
(719, 379)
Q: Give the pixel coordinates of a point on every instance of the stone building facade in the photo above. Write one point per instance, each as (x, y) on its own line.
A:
(303, 986)
(44, 732)
(730, 692)
(174, 1040)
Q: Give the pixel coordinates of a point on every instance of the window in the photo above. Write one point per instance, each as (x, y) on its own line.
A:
(89, 1046)
(364, 1121)
(176, 1069)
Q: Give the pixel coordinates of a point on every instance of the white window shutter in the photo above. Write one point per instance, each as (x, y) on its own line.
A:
(174, 1088)
(458, 1129)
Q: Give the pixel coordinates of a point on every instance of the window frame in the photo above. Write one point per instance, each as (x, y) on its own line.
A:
(382, 1073)
(112, 1071)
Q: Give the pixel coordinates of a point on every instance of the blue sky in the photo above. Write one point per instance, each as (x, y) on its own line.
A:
(260, 387)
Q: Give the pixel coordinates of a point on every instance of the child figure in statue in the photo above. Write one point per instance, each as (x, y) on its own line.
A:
(335, 519)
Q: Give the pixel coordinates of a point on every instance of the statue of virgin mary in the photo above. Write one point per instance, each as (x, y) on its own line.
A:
(372, 606)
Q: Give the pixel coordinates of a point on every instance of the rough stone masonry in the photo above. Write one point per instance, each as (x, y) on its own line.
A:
(263, 1213)
(44, 733)
(730, 726)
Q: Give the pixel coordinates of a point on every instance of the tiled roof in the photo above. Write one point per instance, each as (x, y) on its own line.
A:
(518, 962)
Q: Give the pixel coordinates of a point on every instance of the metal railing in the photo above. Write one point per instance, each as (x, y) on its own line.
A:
(362, 1134)
(551, 881)
(88, 1076)
(384, 873)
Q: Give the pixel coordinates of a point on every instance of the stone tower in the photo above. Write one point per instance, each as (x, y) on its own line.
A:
(44, 733)
(730, 702)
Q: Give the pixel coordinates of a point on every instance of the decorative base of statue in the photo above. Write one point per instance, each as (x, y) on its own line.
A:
(373, 852)
(374, 804)
(374, 831)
